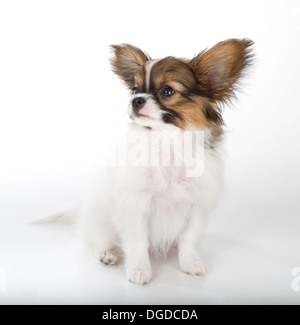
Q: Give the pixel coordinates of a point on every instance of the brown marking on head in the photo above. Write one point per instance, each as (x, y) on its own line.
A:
(140, 78)
(185, 106)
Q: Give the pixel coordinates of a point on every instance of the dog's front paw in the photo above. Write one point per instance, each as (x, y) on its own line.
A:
(193, 268)
(140, 277)
(109, 258)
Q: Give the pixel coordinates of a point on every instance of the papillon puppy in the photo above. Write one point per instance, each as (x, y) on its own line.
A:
(149, 207)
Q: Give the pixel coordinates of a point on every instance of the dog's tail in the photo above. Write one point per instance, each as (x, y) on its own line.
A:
(67, 213)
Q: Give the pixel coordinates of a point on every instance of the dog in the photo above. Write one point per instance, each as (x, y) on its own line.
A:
(147, 208)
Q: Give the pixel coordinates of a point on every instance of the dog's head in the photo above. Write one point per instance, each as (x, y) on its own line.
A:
(187, 94)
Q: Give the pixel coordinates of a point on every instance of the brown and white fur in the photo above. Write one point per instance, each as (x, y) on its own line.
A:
(142, 209)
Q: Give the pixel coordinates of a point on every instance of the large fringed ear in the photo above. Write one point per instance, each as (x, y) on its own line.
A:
(219, 69)
(126, 61)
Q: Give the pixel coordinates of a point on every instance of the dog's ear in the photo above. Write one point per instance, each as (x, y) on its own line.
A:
(219, 69)
(126, 61)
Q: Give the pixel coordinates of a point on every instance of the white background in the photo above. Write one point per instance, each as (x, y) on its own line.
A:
(60, 108)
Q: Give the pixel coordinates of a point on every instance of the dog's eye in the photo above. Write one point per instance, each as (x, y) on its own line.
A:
(167, 91)
(135, 90)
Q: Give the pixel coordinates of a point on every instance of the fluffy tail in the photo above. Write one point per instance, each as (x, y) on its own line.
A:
(67, 213)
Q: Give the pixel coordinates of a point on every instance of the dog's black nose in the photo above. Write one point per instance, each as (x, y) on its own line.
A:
(138, 103)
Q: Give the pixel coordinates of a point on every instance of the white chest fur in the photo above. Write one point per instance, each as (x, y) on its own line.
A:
(161, 187)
